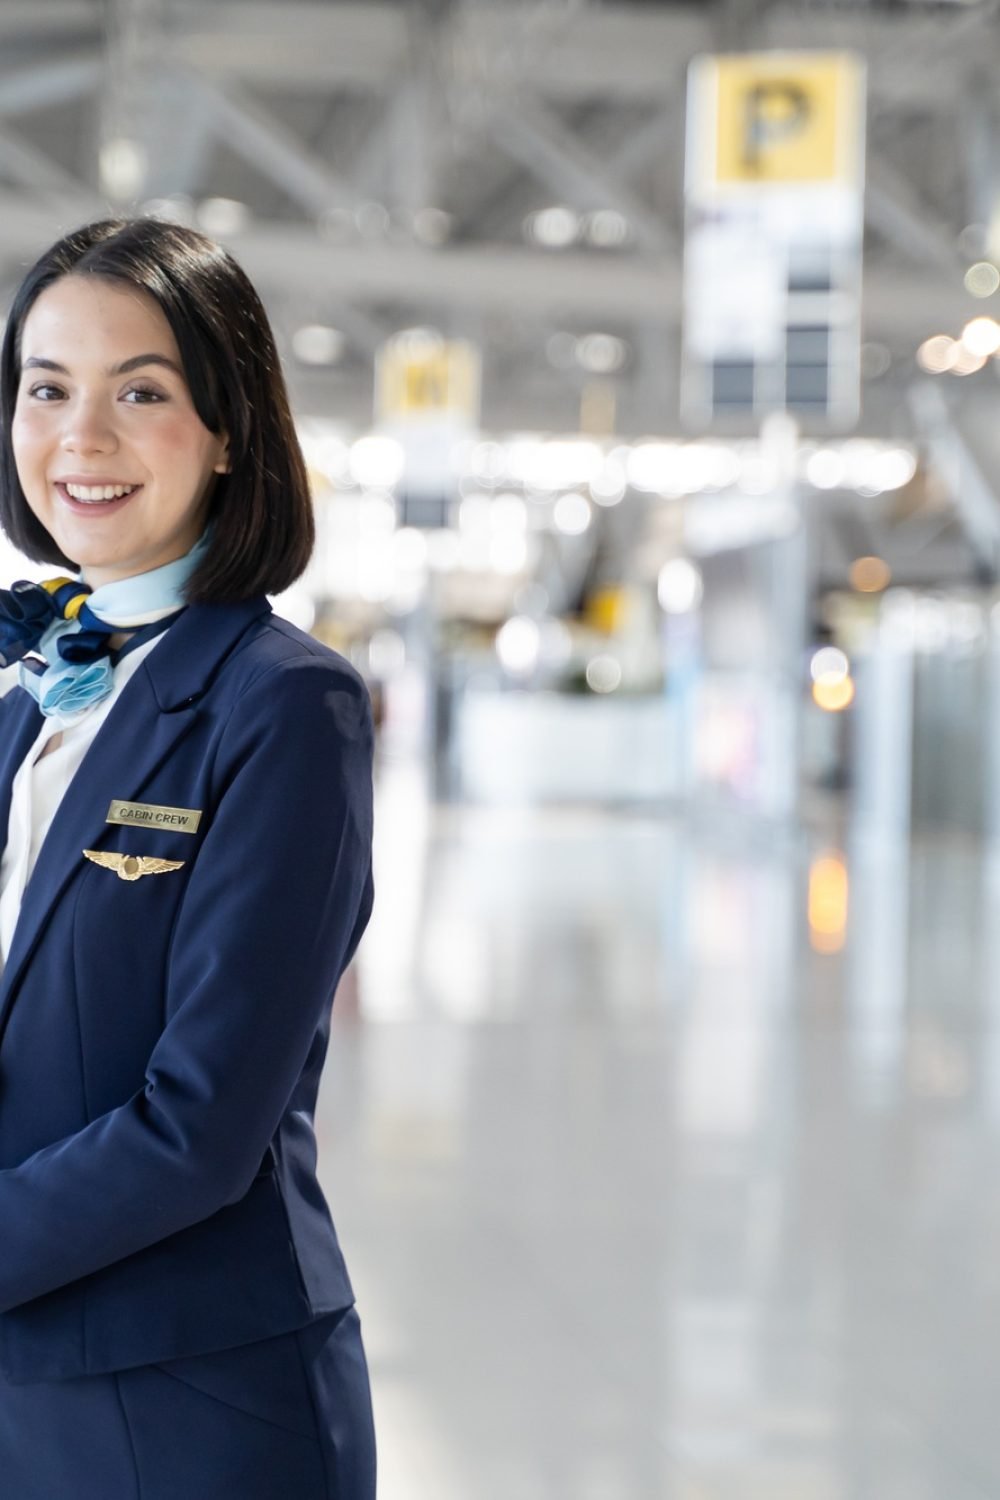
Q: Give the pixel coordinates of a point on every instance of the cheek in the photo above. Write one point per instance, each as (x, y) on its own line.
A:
(176, 436)
(29, 437)
(180, 450)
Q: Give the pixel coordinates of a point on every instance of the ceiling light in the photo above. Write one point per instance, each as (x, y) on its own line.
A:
(518, 642)
(571, 514)
(316, 344)
(826, 468)
(122, 167)
(981, 336)
(376, 462)
(601, 353)
(679, 587)
(982, 279)
(829, 664)
(937, 354)
(222, 216)
(554, 227)
(870, 575)
(833, 696)
(965, 361)
(650, 465)
(607, 228)
(609, 486)
(603, 674)
(892, 468)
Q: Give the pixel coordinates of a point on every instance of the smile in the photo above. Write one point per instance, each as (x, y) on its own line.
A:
(101, 495)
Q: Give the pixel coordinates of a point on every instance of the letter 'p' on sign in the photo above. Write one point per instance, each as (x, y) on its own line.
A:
(786, 117)
(777, 110)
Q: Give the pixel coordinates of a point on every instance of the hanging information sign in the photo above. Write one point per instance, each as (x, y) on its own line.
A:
(774, 188)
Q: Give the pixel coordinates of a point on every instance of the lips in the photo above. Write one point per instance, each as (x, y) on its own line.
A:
(94, 503)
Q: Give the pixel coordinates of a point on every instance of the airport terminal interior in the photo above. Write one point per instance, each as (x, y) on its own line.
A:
(645, 358)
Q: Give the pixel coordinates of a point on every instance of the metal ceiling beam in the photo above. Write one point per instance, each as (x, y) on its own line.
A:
(398, 162)
(271, 148)
(979, 133)
(614, 52)
(590, 290)
(285, 42)
(362, 330)
(617, 52)
(376, 168)
(40, 174)
(653, 140)
(54, 17)
(176, 124)
(536, 139)
(971, 486)
(50, 84)
(472, 279)
(893, 207)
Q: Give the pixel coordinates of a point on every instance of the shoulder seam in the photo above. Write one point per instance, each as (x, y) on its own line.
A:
(341, 668)
(309, 647)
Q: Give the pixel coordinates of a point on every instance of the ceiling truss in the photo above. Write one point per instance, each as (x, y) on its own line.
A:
(339, 125)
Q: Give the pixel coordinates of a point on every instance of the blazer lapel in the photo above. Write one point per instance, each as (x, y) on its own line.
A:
(156, 708)
(21, 726)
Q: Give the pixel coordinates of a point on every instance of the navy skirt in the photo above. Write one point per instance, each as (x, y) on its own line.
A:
(289, 1416)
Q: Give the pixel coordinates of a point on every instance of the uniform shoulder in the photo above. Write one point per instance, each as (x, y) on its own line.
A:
(280, 652)
(282, 681)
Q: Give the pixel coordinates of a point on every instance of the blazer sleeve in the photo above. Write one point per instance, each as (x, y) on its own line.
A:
(276, 903)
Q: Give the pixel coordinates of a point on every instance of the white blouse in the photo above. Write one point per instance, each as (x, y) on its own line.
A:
(39, 786)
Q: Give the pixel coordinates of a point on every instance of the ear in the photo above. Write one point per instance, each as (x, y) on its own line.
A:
(224, 464)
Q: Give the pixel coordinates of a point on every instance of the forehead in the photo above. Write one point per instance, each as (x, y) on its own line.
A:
(87, 316)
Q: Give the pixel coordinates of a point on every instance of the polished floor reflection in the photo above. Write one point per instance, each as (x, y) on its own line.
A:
(666, 1160)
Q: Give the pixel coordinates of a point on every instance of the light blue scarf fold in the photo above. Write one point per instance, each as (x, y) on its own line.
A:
(65, 688)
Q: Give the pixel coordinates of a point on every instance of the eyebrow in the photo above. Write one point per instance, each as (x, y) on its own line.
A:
(125, 368)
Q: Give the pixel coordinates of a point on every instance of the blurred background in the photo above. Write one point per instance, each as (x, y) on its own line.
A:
(644, 357)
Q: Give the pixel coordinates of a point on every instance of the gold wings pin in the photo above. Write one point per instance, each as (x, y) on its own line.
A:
(133, 866)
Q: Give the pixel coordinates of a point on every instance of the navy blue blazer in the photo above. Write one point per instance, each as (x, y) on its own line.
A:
(161, 1039)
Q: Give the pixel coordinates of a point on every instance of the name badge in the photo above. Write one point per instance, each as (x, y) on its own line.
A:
(149, 815)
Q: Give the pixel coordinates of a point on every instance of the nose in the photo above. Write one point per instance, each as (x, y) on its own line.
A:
(88, 428)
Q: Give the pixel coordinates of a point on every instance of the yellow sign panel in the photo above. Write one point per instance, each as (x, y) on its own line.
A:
(423, 379)
(787, 117)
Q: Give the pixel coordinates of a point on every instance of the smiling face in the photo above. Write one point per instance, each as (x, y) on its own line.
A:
(113, 459)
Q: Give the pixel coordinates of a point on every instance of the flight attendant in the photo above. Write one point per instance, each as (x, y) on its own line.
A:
(186, 821)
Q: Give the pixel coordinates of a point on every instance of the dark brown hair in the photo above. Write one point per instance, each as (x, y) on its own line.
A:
(260, 512)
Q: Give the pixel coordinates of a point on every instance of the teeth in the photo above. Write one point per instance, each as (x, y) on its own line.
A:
(99, 491)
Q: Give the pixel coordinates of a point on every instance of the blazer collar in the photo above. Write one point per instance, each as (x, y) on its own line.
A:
(154, 712)
(22, 725)
(183, 665)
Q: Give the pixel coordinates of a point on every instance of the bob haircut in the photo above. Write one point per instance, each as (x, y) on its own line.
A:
(261, 511)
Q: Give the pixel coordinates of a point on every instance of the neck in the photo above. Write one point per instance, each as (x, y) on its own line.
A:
(98, 577)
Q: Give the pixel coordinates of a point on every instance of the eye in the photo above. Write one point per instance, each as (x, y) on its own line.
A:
(143, 394)
(44, 390)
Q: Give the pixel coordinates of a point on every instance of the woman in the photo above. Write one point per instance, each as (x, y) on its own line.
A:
(185, 799)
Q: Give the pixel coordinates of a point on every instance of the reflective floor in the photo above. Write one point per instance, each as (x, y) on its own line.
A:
(666, 1161)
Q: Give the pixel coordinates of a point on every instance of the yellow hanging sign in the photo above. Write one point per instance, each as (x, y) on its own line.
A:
(428, 378)
(786, 117)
